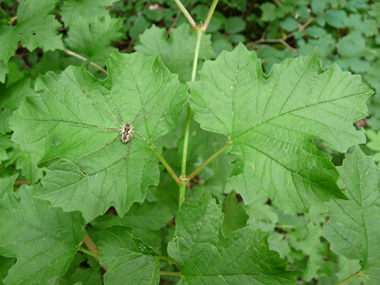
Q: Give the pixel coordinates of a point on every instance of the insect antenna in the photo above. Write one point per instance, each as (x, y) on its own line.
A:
(89, 95)
(114, 181)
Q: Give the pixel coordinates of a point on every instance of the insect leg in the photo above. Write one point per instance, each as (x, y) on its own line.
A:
(114, 181)
(141, 137)
(89, 95)
(97, 148)
(113, 107)
(163, 87)
(140, 110)
(94, 127)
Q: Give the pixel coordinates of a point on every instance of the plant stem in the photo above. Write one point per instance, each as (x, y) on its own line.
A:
(196, 54)
(164, 163)
(199, 168)
(81, 249)
(92, 249)
(170, 260)
(350, 278)
(69, 52)
(209, 15)
(183, 179)
(170, 273)
(187, 14)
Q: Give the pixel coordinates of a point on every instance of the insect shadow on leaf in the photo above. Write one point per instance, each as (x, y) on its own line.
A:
(126, 131)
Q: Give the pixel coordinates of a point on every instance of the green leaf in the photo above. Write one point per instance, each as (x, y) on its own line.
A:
(235, 216)
(261, 215)
(272, 122)
(9, 42)
(318, 6)
(151, 216)
(35, 28)
(27, 163)
(289, 24)
(269, 11)
(336, 19)
(87, 10)
(43, 239)
(3, 70)
(5, 143)
(235, 25)
(91, 39)
(205, 256)
(130, 261)
(315, 32)
(5, 264)
(6, 184)
(10, 100)
(353, 228)
(84, 276)
(177, 52)
(64, 122)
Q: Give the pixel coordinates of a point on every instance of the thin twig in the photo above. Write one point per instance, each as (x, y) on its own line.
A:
(175, 20)
(186, 14)
(92, 247)
(20, 182)
(85, 59)
(302, 28)
(283, 40)
(350, 278)
(211, 158)
(209, 15)
(167, 166)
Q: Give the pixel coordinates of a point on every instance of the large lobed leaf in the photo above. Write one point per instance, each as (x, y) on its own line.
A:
(205, 256)
(353, 228)
(64, 122)
(273, 119)
(43, 239)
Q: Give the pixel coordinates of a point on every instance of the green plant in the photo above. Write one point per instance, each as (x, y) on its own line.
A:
(189, 206)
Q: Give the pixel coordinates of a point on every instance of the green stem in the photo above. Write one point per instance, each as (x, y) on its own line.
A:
(170, 260)
(209, 15)
(164, 163)
(183, 179)
(199, 168)
(87, 251)
(170, 273)
(187, 14)
(196, 53)
(350, 278)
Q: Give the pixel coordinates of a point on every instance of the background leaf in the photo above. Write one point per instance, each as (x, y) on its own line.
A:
(205, 256)
(43, 239)
(177, 52)
(353, 229)
(235, 216)
(92, 39)
(128, 258)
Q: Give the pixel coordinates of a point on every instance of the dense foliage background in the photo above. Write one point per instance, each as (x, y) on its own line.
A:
(38, 36)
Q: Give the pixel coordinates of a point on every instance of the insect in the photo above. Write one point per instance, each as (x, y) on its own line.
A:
(126, 130)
